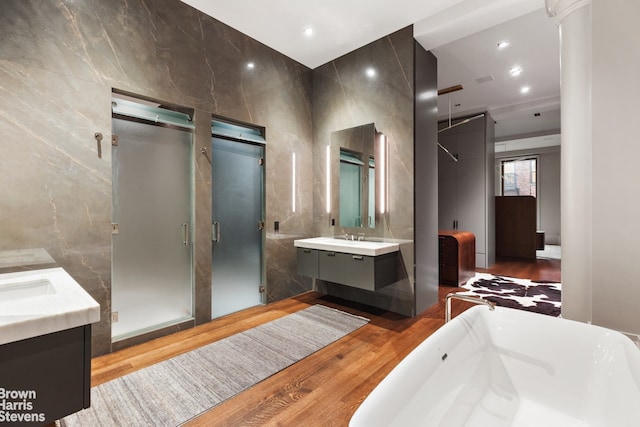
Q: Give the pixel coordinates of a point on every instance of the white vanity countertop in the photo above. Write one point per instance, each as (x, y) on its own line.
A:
(40, 302)
(364, 247)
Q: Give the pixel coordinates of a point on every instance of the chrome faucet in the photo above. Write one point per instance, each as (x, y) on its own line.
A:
(467, 298)
(352, 236)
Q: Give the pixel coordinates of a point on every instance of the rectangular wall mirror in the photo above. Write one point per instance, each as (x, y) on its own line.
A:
(354, 180)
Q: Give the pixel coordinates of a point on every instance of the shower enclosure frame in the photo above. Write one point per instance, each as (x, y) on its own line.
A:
(180, 124)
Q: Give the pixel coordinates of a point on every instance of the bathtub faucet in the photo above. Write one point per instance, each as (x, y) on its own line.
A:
(467, 298)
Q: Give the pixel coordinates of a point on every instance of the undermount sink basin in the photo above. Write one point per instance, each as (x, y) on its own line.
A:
(39, 302)
(26, 289)
(362, 247)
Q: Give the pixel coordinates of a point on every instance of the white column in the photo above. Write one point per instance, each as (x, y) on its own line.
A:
(574, 20)
(616, 171)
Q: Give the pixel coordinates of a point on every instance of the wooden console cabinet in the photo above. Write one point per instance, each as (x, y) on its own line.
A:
(457, 251)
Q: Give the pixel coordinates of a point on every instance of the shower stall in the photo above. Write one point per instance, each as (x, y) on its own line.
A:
(152, 214)
(237, 187)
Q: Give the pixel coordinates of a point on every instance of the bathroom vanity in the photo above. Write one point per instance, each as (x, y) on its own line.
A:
(361, 264)
(45, 346)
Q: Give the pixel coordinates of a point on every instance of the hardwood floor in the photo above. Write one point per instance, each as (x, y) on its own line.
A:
(327, 387)
(542, 269)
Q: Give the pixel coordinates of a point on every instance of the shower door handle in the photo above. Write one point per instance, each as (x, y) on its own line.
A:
(185, 237)
(215, 231)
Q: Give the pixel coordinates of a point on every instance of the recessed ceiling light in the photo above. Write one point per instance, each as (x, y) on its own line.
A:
(525, 89)
(308, 31)
(503, 44)
(251, 65)
(515, 71)
(371, 72)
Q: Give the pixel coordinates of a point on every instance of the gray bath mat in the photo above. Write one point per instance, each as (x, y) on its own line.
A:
(176, 390)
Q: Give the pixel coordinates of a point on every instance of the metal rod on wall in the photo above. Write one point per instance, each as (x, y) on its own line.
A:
(453, 156)
(467, 120)
(204, 151)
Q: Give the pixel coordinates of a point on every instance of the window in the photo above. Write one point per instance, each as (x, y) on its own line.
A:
(519, 177)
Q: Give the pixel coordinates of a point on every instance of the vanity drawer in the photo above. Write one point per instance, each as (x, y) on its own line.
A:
(359, 271)
(370, 273)
(331, 266)
(307, 264)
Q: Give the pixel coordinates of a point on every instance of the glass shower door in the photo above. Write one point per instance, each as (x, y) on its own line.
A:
(152, 211)
(237, 215)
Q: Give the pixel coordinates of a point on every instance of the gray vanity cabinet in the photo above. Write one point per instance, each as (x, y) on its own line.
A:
(360, 271)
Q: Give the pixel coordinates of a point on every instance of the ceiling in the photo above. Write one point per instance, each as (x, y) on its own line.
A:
(462, 34)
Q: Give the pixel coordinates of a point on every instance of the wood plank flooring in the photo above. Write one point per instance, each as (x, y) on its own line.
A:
(327, 387)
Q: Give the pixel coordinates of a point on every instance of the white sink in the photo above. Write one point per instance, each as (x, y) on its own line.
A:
(40, 302)
(364, 247)
(26, 289)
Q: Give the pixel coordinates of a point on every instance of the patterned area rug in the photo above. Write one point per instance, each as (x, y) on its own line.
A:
(172, 392)
(522, 294)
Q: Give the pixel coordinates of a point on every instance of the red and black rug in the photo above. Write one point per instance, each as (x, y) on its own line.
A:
(521, 294)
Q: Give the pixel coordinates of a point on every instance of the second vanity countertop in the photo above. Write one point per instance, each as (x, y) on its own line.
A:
(363, 247)
(40, 302)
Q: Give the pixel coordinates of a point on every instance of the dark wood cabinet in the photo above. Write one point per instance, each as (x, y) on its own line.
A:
(516, 226)
(457, 252)
(50, 374)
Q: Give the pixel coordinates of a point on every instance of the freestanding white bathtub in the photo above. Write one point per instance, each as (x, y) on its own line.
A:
(511, 368)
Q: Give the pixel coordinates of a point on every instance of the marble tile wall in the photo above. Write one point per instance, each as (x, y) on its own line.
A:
(60, 61)
(344, 96)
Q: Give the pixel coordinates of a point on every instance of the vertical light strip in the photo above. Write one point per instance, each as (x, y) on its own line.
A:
(293, 182)
(383, 174)
(328, 179)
